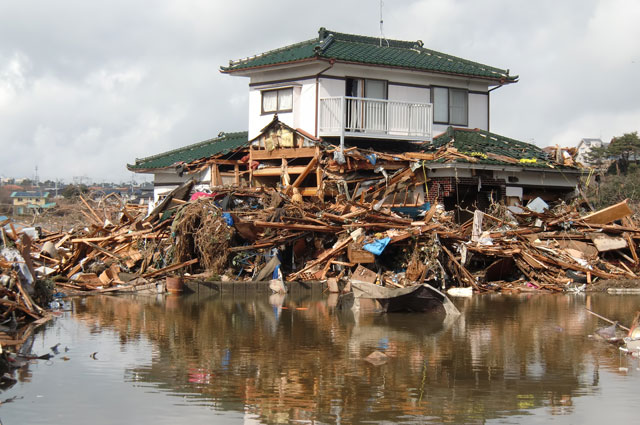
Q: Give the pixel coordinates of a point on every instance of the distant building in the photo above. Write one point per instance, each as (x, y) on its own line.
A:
(584, 147)
(29, 202)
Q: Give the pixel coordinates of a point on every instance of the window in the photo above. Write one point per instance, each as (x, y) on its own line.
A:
(280, 100)
(450, 106)
(366, 115)
(366, 87)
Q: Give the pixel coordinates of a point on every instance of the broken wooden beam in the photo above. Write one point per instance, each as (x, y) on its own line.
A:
(609, 214)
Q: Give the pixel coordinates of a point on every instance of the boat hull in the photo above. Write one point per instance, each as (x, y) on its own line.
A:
(419, 298)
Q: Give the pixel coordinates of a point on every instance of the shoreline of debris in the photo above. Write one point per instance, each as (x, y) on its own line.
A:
(263, 234)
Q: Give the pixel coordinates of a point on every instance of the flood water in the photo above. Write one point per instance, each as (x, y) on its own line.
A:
(258, 359)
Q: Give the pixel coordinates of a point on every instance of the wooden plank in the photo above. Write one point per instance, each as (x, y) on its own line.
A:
(264, 244)
(609, 214)
(171, 268)
(303, 175)
(532, 261)
(465, 273)
(92, 211)
(322, 257)
(259, 154)
(595, 271)
(303, 227)
(419, 155)
(277, 171)
(632, 247)
(102, 250)
(308, 191)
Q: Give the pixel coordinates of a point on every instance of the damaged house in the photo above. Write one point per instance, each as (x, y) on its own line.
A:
(368, 119)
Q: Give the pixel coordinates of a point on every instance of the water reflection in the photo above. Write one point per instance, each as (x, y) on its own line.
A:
(287, 359)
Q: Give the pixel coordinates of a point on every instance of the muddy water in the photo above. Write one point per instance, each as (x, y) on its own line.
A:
(255, 359)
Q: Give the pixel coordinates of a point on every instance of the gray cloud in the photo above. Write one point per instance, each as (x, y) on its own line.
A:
(86, 87)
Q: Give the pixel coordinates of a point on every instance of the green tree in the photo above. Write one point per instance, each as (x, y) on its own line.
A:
(597, 156)
(71, 191)
(624, 149)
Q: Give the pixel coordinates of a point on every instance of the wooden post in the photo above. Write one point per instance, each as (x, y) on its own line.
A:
(250, 166)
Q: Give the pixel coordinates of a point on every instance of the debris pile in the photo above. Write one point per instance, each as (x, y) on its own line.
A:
(259, 234)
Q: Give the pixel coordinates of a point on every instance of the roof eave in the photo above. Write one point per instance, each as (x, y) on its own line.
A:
(500, 167)
(502, 80)
(249, 69)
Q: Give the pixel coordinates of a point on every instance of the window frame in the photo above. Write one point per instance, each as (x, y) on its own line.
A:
(277, 91)
(448, 108)
(362, 87)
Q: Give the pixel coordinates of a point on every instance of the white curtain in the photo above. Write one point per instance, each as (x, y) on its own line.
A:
(269, 101)
(458, 108)
(285, 99)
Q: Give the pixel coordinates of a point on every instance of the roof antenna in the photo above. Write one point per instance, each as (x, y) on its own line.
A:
(382, 37)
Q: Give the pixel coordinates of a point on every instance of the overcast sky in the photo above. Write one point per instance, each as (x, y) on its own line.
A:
(87, 86)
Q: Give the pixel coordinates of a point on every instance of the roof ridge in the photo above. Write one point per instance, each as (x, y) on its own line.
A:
(191, 146)
(367, 39)
(417, 45)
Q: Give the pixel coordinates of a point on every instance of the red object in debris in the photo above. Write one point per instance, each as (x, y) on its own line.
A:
(197, 195)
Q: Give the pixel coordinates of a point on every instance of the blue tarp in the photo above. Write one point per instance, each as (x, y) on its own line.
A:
(227, 217)
(376, 247)
(372, 158)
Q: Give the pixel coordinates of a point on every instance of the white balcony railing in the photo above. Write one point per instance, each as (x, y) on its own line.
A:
(375, 118)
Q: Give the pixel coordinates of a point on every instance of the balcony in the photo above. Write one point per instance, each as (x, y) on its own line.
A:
(375, 118)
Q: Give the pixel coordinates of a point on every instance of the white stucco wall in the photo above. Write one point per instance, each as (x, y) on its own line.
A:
(525, 178)
(409, 94)
(165, 181)
(404, 85)
(479, 111)
(302, 116)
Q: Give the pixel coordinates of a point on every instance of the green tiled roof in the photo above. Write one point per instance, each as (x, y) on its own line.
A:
(477, 143)
(220, 145)
(369, 50)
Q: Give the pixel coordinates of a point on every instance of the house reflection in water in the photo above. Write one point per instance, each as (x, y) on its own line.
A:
(298, 359)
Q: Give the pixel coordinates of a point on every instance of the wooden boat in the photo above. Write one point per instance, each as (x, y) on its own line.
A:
(418, 298)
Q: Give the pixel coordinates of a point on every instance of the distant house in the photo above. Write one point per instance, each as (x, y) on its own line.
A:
(584, 147)
(30, 202)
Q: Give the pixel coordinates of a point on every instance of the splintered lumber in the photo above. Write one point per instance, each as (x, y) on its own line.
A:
(303, 175)
(104, 251)
(465, 273)
(169, 269)
(323, 257)
(532, 261)
(265, 243)
(98, 220)
(632, 247)
(609, 214)
(303, 227)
